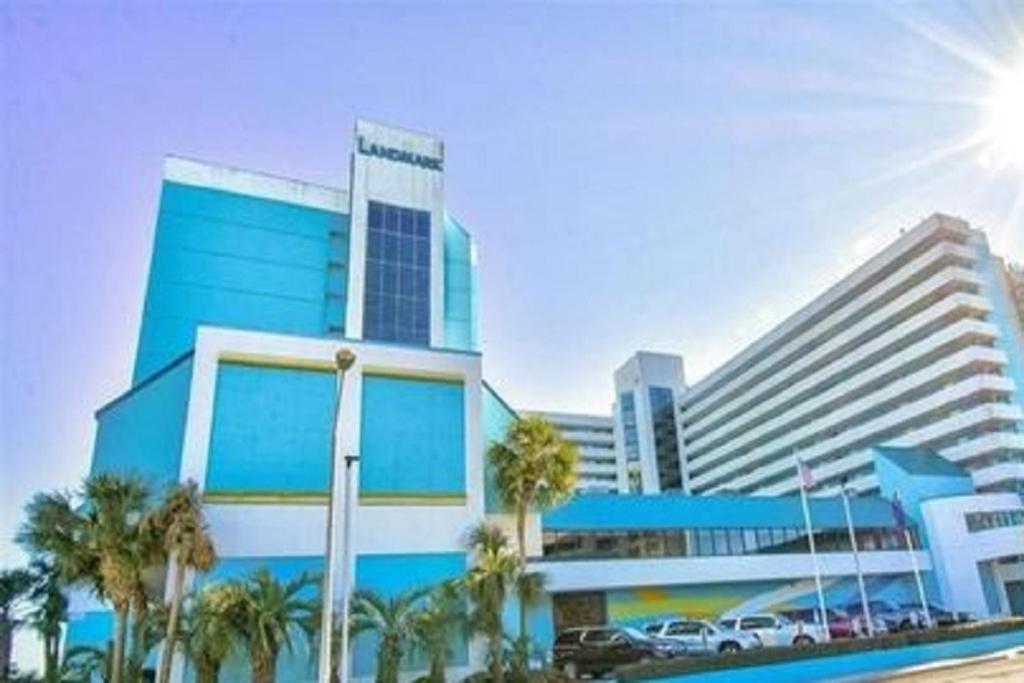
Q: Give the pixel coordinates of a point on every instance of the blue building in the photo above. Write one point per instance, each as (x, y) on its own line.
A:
(257, 281)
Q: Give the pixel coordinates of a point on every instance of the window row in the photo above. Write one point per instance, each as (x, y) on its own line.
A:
(588, 545)
(980, 521)
(398, 220)
(409, 251)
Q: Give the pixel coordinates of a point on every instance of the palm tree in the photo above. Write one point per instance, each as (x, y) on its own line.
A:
(488, 581)
(102, 544)
(265, 613)
(393, 620)
(535, 469)
(434, 624)
(208, 635)
(50, 611)
(15, 587)
(186, 538)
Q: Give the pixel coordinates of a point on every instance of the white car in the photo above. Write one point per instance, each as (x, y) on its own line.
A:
(703, 637)
(774, 630)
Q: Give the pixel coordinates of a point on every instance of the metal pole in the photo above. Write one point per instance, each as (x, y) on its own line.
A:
(343, 361)
(823, 613)
(917, 577)
(856, 561)
(346, 568)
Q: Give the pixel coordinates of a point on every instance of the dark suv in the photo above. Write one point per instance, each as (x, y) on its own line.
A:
(598, 650)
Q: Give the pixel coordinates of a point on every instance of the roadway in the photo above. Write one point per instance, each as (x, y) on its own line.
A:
(1007, 665)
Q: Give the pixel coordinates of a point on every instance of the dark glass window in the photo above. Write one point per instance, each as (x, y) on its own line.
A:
(652, 543)
(397, 300)
(666, 443)
(627, 406)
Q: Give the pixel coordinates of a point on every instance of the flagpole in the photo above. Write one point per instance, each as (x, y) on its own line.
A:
(864, 605)
(823, 614)
(897, 504)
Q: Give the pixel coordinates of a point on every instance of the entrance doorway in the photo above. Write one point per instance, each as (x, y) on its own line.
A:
(579, 609)
(1015, 596)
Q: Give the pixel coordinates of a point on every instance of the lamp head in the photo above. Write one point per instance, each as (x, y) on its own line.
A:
(344, 359)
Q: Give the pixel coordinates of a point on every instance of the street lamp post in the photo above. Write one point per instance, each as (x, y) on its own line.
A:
(343, 360)
(864, 605)
(346, 568)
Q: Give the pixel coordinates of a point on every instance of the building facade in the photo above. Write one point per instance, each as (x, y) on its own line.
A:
(920, 346)
(634, 559)
(256, 282)
(598, 470)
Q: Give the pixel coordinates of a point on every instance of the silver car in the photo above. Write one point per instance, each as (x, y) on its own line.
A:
(703, 637)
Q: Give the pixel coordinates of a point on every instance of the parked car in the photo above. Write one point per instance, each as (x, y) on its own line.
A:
(597, 650)
(703, 637)
(886, 617)
(940, 615)
(840, 624)
(774, 630)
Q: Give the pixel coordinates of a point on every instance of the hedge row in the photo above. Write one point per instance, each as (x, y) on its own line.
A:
(776, 655)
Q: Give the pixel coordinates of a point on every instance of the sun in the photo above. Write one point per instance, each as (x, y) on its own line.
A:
(1003, 128)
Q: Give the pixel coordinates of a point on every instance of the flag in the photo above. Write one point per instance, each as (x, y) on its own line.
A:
(806, 476)
(898, 513)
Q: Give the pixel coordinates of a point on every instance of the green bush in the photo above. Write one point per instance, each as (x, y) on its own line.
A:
(546, 675)
(776, 655)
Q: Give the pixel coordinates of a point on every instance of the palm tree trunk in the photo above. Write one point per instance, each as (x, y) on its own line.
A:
(120, 633)
(264, 667)
(497, 672)
(136, 651)
(171, 640)
(437, 665)
(51, 672)
(521, 538)
(6, 642)
(207, 672)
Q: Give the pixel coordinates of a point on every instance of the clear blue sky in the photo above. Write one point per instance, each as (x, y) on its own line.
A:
(673, 178)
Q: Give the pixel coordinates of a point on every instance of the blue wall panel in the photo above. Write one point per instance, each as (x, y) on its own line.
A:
(271, 430)
(497, 416)
(412, 437)
(234, 260)
(141, 432)
(94, 628)
(388, 575)
(460, 288)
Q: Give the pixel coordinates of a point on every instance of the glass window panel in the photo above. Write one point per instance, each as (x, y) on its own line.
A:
(375, 216)
(374, 248)
(422, 249)
(736, 541)
(407, 222)
(721, 540)
(391, 248)
(423, 225)
(406, 283)
(406, 246)
(391, 218)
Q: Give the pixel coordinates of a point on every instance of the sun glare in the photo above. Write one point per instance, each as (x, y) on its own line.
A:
(1004, 119)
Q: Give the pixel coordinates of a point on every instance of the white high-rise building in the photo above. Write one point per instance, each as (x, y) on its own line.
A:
(920, 346)
(647, 434)
(594, 435)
